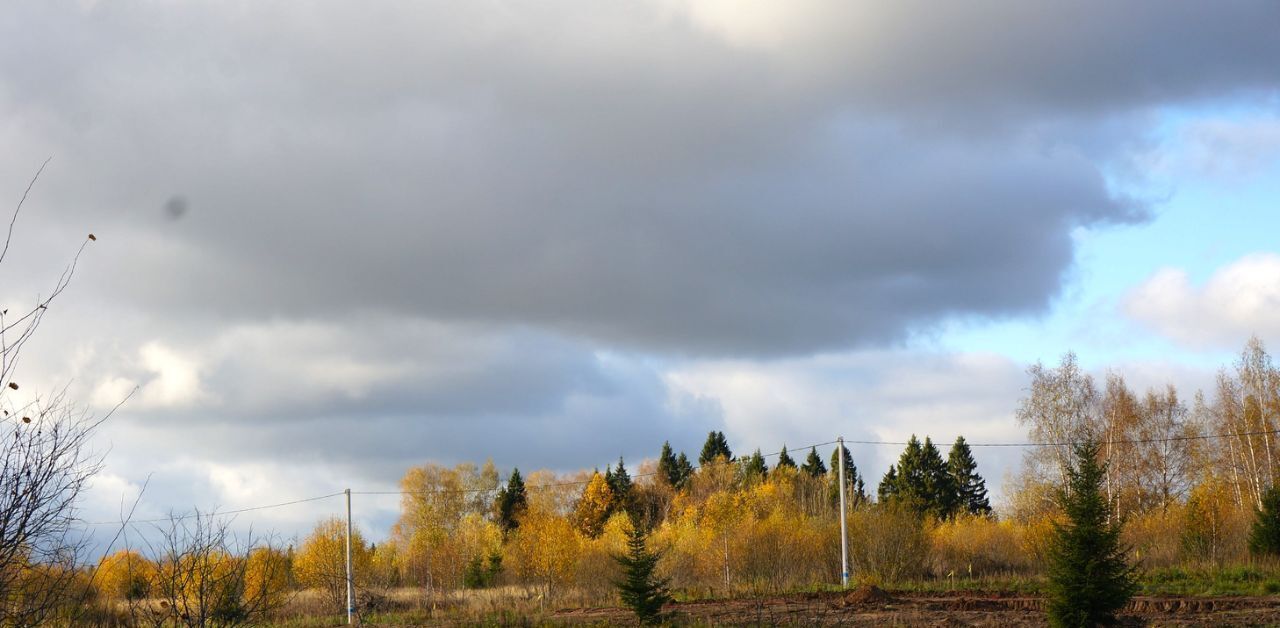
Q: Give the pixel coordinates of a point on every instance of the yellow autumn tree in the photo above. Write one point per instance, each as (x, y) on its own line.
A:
(593, 507)
(544, 550)
(125, 575)
(597, 570)
(385, 571)
(438, 503)
(321, 561)
(721, 513)
(266, 577)
(1214, 529)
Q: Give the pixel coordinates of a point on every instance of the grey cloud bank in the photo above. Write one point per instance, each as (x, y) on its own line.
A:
(664, 177)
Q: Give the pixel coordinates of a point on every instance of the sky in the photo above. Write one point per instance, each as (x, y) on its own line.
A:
(337, 240)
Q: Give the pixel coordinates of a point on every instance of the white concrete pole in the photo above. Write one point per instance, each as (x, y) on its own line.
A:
(351, 582)
(844, 524)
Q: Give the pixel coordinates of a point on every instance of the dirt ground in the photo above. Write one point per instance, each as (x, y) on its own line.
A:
(873, 607)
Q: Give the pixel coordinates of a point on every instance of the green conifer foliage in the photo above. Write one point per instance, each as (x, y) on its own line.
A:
(923, 481)
(640, 588)
(1089, 576)
(888, 488)
(971, 489)
(668, 470)
(753, 467)
(857, 490)
(620, 484)
(511, 502)
(785, 459)
(684, 470)
(716, 446)
(1264, 538)
(813, 464)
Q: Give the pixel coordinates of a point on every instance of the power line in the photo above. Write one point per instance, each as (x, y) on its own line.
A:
(1068, 443)
(441, 491)
(215, 513)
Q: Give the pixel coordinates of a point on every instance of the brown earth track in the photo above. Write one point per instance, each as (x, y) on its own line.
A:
(870, 606)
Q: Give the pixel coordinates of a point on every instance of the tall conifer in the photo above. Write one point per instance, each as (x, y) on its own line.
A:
(1089, 576)
(971, 489)
(785, 459)
(813, 464)
(511, 502)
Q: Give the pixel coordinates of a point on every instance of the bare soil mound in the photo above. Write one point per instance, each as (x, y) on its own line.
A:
(868, 594)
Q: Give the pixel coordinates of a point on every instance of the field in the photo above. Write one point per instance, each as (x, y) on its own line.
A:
(1247, 605)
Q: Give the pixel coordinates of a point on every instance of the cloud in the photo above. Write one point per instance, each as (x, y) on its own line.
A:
(633, 176)
(392, 395)
(1228, 149)
(1238, 301)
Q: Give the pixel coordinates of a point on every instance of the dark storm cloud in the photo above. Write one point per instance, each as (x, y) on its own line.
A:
(660, 176)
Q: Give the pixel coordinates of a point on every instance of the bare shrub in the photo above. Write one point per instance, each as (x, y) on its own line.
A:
(887, 544)
(205, 575)
(45, 465)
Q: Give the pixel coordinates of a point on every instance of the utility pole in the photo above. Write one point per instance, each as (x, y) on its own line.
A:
(351, 582)
(844, 524)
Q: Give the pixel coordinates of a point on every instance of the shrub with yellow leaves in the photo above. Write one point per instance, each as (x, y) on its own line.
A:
(321, 561)
(125, 575)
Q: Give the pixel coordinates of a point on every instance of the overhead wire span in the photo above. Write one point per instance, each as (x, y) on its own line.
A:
(450, 491)
(216, 513)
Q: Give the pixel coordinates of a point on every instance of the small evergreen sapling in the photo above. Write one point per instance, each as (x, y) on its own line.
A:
(1089, 577)
(640, 588)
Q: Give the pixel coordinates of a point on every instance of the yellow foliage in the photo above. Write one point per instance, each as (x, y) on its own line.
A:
(977, 546)
(593, 508)
(1215, 529)
(1156, 536)
(125, 575)
(545, 549)
(887, 544)
(596, 569)
(321, 561)
(266, 576)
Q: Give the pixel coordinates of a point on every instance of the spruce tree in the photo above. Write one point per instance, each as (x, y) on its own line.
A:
(511, 502)
(857, 489)
(813, 464)
(716, 446)
(1264, 538)
(684, 470)
(941, 496)
(640, 588)
(754, 468)
(668, 471)
(620, 483)
(1089, 577)
(785, 459)
(971, 489)
(922, 481)
(888, 488)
